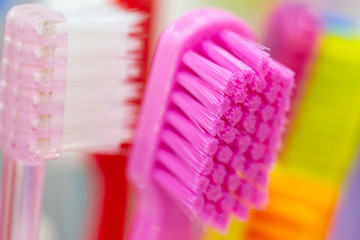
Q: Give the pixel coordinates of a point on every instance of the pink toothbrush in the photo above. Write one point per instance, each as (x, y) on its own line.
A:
(209, 126)
(65, 86)
(24, 157)
(292, 34)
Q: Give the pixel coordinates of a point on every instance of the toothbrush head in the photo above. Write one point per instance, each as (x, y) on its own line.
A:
(292, 33)
(212, 117)
(69, 80)
(33, 82)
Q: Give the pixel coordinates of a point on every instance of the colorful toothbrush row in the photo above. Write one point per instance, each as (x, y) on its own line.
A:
(323, 132)
(61, 92)
(209, 128)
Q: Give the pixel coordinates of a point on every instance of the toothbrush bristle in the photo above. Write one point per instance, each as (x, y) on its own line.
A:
(103, 62)
(231, 95)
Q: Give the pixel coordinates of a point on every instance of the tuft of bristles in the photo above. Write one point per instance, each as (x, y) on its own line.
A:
(223, 128)
(103, 61)
(84, 62)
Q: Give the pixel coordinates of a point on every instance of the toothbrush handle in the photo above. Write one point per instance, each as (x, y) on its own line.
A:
(158, 218)
(21, 199)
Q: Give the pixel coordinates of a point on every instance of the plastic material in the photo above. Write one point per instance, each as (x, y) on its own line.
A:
(42, 49)
(200, 128)
(292, 34)
(33, 59)
(299, 208)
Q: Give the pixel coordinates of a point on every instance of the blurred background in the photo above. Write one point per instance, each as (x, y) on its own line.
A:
(315, 189)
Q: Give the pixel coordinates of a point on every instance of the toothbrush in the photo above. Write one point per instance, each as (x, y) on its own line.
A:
(293, 33)
(311, 123)
(299, 208)
(60, 91)
(321, 143)
(209, 126)
(114, 201)
(328, 111)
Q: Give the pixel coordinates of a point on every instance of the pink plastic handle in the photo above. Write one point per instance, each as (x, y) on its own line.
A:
(157, 217)
(21, 199)
(31, 73)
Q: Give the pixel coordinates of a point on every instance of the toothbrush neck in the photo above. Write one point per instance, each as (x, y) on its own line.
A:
(158, 218)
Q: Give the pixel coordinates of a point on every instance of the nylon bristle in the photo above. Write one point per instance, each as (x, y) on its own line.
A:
(228, 107)
(103, 50)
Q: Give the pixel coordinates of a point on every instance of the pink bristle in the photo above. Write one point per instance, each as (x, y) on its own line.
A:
(227, 203)
(197, 137)
(284, 103)
(232, 182)
(245, 191)
(262, 178)
(226, 60)
(190, 179)
(209, 211)
(237, 162)
(242, 143)
(214, 193)
(218, 174)
(267, 113)
(263, 132)
(271, 93)
(233, 115)
(228, 134)
(275, 142)
(268, 159)
(255, 197)
(225, 108)
(241, 211)
(273, 75)
(221, 79)
(284, 76)
(197, 162)
(257, 151)
(278, 121)
(258, 84)
(248, 52)
(211, 99)
(253, 103)
(248, 122)
(224, 154)
(251, 170)
(240, 94)
(199, 203)
(192, 201)
(258, 199)
(204, 184)
(198, 113)
(222, 220)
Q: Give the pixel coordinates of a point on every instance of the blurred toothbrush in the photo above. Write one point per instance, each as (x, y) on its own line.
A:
(299, 208)
(64, 86)
(209, 127)
(322, 137)
(111, 220)
(292, 33)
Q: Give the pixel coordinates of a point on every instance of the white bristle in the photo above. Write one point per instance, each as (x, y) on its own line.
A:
(101, 60)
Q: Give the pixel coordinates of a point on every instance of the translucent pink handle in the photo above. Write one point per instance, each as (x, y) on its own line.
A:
(21, 199)
(157, 218)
